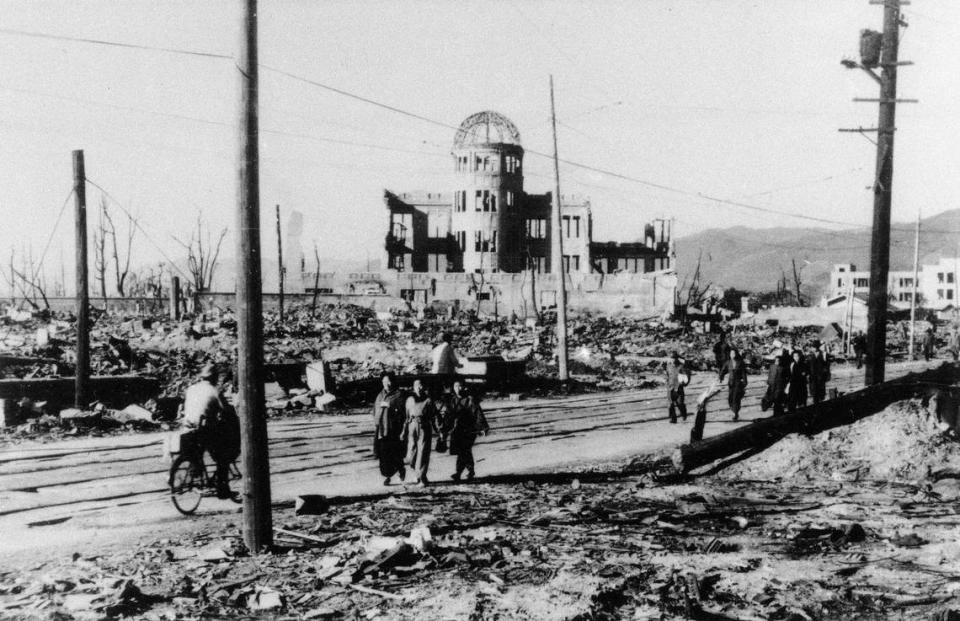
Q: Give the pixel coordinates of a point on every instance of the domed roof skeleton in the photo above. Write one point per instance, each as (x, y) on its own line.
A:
(476, 129)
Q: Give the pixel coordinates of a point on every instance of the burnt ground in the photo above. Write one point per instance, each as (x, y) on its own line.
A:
(606, 544)
(814, 528)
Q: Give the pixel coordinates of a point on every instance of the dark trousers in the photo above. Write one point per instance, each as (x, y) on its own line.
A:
(390, 453)
(677, 403)
(464, 452)
(735, 398)
(817, 391)
(465, 461)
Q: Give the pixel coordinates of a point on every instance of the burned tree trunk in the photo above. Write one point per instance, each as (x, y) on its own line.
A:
(812, 419)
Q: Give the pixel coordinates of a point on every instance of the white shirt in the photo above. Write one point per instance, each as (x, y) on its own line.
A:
(200, 399)
(444, 360)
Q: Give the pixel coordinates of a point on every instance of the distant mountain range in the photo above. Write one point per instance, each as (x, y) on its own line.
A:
(752, 259)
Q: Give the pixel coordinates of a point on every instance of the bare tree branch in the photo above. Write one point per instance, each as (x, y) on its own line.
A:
(121, 273)
(201, 264)
(99, 249)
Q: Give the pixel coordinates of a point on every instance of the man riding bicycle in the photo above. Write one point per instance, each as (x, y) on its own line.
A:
(216, 425)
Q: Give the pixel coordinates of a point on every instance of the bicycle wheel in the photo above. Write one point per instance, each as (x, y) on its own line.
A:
(186, 488)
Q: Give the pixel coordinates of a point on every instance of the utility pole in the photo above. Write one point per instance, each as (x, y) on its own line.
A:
(880, 242)
(280, 262)
(913, 296)
(886, 58)
(557, 247)
(257, 518)
(175, 298)
(82, 385)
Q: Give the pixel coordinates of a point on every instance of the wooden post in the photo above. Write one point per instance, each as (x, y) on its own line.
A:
(882, 189)
(280, 262)
(257, 518)
(557, 248)
(175, 297)
(913, 296)
(316, 280)
(82, 388)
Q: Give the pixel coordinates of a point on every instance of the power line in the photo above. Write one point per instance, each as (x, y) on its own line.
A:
(367, 100)
(136, 222)
(136, 46)
(425, 119)
(43, 255)
(184, 117)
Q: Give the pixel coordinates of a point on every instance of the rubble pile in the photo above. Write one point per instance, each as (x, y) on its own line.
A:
(590, 546)
(606, 353)
(904, 442)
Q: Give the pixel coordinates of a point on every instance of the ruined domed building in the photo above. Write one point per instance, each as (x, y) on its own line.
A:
(486, 223)
(485, 243)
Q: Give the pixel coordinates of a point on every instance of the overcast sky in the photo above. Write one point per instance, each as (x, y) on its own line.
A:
(739, 100)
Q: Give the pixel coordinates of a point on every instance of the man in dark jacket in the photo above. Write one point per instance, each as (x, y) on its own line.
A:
(859, 343)
(818, 365)
(466, 421)
(929, 342)
(797, 381)
(677, 378)
(721, 351)
(777, 379)
(735, 371)
(389, 429)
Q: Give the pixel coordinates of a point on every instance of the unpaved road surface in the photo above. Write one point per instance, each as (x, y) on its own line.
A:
(107, 492)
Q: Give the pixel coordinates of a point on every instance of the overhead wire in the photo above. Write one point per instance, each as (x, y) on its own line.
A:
(136, 223)
(104, 42)
(53, 231)
(397, 110)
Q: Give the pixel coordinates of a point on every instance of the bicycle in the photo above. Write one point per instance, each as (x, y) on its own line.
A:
(190, 483)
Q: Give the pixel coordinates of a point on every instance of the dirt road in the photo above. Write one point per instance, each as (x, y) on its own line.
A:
(94, 492)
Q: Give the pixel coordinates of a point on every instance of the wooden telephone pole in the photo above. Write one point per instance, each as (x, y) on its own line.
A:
(257, 518)
(883, 181)
(82, 385)
(280, 262)
(557, 253)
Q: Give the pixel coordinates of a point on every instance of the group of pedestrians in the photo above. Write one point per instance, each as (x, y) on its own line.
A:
(731, 369)
(794, 377)
(409, 426)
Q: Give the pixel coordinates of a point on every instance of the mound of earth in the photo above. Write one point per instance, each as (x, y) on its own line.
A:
(902, 442)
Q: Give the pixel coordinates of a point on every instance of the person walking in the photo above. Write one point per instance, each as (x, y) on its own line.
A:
(929, 341)
(389, 429)
(797, 381)
(721, 351)
(859, 347)
(677, 378)
(421, 422)
(445, 361)
(777, 378)
(735, 370)
(818, 366)
(466, 422)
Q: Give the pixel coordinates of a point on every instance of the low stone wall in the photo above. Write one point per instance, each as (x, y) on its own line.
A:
(522, 293)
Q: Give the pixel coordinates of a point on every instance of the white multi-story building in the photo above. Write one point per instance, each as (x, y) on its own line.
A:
(937, 284)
